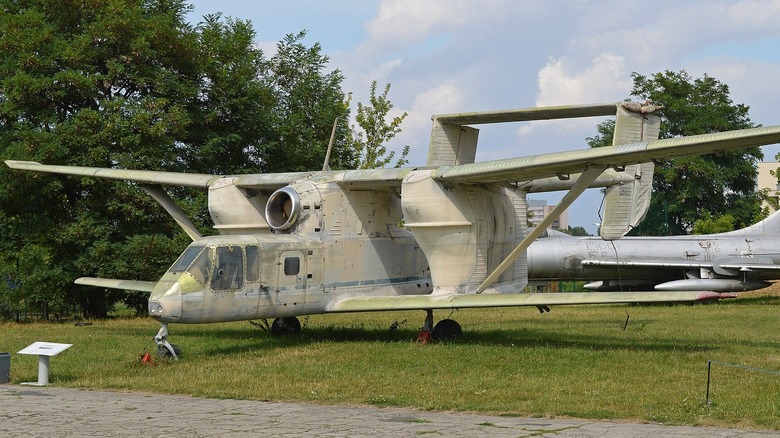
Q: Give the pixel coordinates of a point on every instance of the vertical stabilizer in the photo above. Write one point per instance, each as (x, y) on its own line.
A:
(452, 144)
(626, 204)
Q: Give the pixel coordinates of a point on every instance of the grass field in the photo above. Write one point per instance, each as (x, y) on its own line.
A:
(574, 361)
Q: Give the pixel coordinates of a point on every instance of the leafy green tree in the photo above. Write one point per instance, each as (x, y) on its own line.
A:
(710, 225)
(576, 231)
(687, 189)
(308, 101)
(372, 120)
(93, 85)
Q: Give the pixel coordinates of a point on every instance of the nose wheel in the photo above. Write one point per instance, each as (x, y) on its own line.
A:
(165, 348)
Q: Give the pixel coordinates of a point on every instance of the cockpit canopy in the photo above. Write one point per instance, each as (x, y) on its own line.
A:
(221, 267)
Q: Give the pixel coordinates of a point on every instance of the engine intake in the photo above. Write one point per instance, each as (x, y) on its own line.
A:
(283, 208)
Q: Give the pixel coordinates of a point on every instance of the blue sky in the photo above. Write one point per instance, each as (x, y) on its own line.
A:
(445, 56)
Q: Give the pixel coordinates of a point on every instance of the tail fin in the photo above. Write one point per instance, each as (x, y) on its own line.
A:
(767, 227)
(625, 205)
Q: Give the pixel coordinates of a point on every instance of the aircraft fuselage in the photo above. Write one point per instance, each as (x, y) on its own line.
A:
(242, 277)
(643, 261)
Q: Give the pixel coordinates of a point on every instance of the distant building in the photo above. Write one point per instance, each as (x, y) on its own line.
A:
(538, 209)
(768, 181)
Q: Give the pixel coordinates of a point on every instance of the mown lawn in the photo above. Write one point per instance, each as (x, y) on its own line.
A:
(573, 361)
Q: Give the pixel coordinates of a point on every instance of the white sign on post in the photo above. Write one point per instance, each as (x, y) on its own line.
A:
(44, 350)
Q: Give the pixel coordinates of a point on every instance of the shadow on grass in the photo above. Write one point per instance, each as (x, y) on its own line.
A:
(511, 338)
(531, 338)
(751, 300)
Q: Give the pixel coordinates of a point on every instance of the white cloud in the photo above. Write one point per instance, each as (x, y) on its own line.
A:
(413, 25)
(604, 79)
(417, 126)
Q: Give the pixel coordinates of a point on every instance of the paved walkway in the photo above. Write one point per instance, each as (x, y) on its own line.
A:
(51, 411)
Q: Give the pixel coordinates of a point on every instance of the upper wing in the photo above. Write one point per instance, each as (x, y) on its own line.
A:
(139, 286)
(497, 171)
(562, 163)
(143, 176)
(462, 301)
(272, 181)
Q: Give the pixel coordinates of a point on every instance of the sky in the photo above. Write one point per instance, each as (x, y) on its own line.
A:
(449, 56)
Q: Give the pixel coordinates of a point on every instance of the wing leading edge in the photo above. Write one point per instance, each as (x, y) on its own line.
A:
(462, 301)
(138, 286)
(569, 162)
(507, 170)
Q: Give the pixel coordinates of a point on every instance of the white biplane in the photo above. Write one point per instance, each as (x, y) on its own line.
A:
(448, 235)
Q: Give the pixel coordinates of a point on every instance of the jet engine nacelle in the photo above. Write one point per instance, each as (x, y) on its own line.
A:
(291, 206)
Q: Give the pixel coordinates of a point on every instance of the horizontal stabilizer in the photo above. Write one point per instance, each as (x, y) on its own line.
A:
(135, 285)
(462, 301)
(528, 114)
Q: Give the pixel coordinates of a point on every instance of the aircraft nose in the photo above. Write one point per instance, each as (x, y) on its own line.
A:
(165, 302)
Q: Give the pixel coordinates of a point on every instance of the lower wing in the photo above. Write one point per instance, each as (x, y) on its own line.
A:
(460, 301)
(138, 286)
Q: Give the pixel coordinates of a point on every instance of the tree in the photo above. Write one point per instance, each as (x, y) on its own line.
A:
(710, 225)
(688, 189)
(576, 231)
(130, 84)
(307, 101)
(372, 120)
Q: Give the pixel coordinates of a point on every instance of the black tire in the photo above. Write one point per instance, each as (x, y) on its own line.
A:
(164, 352)
(286, 326)
(446, 330)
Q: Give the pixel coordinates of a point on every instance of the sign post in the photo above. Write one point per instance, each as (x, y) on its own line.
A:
(44, 350)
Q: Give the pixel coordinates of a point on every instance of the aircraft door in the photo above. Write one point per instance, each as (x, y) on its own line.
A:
(291, 281)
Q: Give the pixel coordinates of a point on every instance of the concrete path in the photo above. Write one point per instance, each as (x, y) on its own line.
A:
(61, 412)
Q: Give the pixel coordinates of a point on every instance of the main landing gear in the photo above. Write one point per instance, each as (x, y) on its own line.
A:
(165, 348)
(288, 325)
(444, 330)
(282, 326)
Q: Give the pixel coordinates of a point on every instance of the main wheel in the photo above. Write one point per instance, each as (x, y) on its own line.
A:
(286, 326)
(446, 330)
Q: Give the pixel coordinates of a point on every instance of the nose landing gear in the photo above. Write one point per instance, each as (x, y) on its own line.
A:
(165, 348)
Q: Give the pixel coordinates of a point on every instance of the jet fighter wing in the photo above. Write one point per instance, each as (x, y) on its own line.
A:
(138, 286)
(462, 301)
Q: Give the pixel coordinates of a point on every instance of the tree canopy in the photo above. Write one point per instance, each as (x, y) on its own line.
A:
(375, 131)
(688, 189)
(131, 84)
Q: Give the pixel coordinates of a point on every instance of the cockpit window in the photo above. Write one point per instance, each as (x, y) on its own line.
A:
(201, 267)
(229, 273)
(186, 258)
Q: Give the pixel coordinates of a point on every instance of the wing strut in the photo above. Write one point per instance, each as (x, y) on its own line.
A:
(582, 183)
(159, 195)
